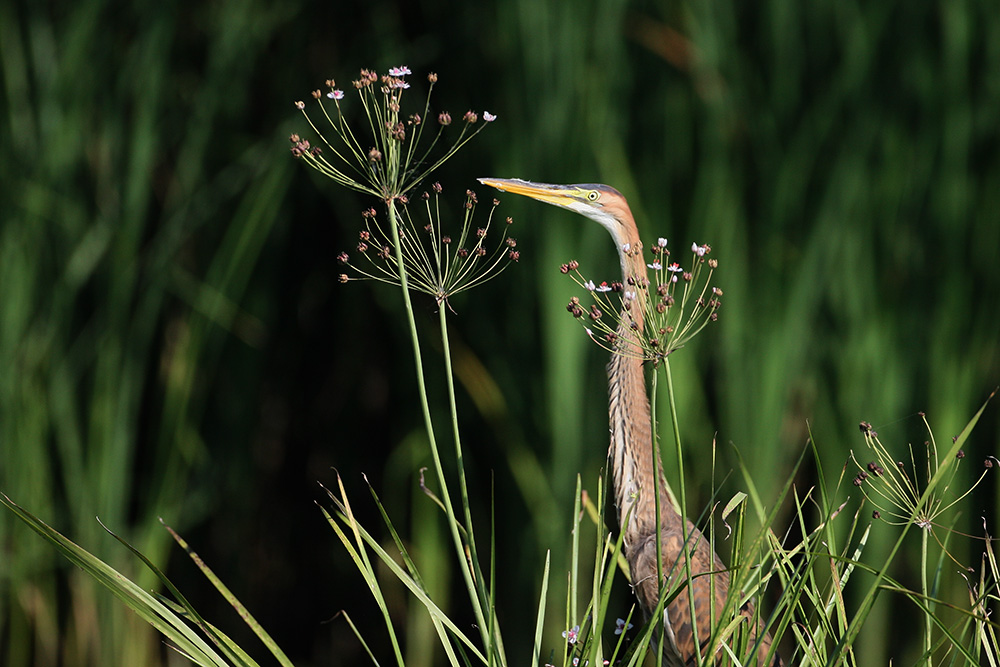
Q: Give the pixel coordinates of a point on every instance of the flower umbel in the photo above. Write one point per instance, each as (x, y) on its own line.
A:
(348, 156)
(895, 488)
(436, 263)
(673, 307)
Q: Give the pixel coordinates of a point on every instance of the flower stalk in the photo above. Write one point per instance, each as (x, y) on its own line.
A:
(415, 256)
(900, 500)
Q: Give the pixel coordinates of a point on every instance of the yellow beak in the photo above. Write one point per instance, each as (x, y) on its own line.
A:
(558, 195)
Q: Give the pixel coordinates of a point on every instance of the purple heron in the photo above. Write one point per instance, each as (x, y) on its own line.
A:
(631, 455)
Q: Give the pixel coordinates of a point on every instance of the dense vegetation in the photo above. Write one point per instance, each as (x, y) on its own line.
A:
(174, 341)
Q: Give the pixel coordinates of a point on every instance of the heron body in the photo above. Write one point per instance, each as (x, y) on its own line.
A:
(631, 455)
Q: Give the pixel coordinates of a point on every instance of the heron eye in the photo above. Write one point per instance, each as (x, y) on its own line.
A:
(593, 195)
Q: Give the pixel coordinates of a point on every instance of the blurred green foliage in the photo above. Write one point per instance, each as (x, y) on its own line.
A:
(173, 340)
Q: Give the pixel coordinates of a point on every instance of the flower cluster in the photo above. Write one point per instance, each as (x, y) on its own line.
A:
(644, 318)
(391, 160)
(576, 641)
(895, 489)
(435, 262)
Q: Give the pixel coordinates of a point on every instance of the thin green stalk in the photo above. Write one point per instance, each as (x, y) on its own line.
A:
(675, 424)
(428, 422)
(575, 553)
(482, 595)
(540, 618)
(656, 501)
(450, 378)
(923, 589)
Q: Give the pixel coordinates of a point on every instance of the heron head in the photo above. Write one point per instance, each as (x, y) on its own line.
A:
(601, 203)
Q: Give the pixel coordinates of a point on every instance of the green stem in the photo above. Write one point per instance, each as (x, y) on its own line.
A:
(479, 593)
(926, 592)
(679, 453)
(428, 422)
(656, 502)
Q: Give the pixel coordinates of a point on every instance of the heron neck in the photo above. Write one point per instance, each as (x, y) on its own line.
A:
(630, 422)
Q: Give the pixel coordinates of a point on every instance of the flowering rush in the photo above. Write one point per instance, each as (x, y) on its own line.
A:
(651, 313)
(895, 489)
(437, 261)
(385, 155)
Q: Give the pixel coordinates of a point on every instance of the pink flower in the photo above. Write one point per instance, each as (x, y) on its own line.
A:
(399, 71)
(335, 94)
(488, 117)
(572, 634)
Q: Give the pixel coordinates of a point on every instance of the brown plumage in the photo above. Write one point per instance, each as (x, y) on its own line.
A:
(631, 455)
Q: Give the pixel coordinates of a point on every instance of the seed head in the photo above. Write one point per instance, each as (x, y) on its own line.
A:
(421, 248)
(909, 496)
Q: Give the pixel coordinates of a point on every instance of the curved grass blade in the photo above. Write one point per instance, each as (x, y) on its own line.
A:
(247, 617)
(183, 637)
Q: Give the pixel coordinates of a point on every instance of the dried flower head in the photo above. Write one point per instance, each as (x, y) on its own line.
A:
(432, 263)
(397, 159)
(901, 494)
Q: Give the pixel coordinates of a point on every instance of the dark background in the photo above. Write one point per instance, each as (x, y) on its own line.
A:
(174, 342)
